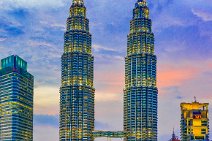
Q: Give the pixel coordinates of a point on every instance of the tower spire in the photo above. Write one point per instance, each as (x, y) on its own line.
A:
(173, 134)
(142, 2)
(195, 99)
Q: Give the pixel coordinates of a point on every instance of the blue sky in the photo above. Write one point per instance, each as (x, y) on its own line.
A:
(33, 29)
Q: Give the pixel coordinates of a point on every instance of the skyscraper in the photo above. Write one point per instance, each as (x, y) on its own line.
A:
(140, 94)
(194, 121)
(16, 100)
(77, 91)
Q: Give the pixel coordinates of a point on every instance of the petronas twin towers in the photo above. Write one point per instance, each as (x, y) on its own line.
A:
(77, 91)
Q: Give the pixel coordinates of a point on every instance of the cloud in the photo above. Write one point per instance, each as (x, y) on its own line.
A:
(105, 96)
(46, 133)
(168, 104)
(46, 100)
(46, 120)
(98, 48)
(2, 39)
(109, 113)
(181, 73)
(10, 28)
(204, 15)
(172, 76)
(100, 125)
(8, 4)
(109, 80)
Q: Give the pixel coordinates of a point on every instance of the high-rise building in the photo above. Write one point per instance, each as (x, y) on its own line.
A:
(16, 100)
(77, 91)
(194, 121)
(141, 93)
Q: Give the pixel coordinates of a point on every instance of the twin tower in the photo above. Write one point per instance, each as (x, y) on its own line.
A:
(77, 91)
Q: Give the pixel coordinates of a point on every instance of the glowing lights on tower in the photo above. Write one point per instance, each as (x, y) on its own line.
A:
(77, 92)
(140, 94)
(78, 2)
(16, 100)
(194, 121)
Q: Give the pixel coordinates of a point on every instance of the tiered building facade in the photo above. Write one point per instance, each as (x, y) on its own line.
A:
(77, 91)
(141, 93)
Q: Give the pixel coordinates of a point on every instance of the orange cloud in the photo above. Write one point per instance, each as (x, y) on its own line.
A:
(175, 76)
(46, 100)
(178, 74)
(109, 82)
(110, 86)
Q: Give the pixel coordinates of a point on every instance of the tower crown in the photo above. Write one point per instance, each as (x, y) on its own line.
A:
(141, 10)
(77, 18)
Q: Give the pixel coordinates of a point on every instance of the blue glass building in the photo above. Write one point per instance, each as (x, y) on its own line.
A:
(140, 94)
(77, 91)
(16, 100)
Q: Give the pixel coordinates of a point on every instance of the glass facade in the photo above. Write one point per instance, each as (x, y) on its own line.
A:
(141, 93)
(77, 91)
(194, 121)
(16, 100)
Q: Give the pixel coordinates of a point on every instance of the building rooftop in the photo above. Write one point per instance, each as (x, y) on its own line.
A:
(194, 105)
(13, 61)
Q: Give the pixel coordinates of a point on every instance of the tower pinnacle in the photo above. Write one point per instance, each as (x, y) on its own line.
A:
(141, 3)
(173, 134)
(78, 2)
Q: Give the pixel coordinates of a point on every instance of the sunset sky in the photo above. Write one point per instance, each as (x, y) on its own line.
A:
(33, 29)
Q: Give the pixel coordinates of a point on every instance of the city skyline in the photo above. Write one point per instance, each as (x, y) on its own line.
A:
(194, 49)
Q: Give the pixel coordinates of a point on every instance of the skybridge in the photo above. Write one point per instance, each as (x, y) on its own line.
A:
(116, 134)
(109, 134)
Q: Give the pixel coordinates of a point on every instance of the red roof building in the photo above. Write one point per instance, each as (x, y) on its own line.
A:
(174, 137)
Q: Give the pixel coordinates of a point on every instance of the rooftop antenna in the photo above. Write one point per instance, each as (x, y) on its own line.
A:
(195, 99)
